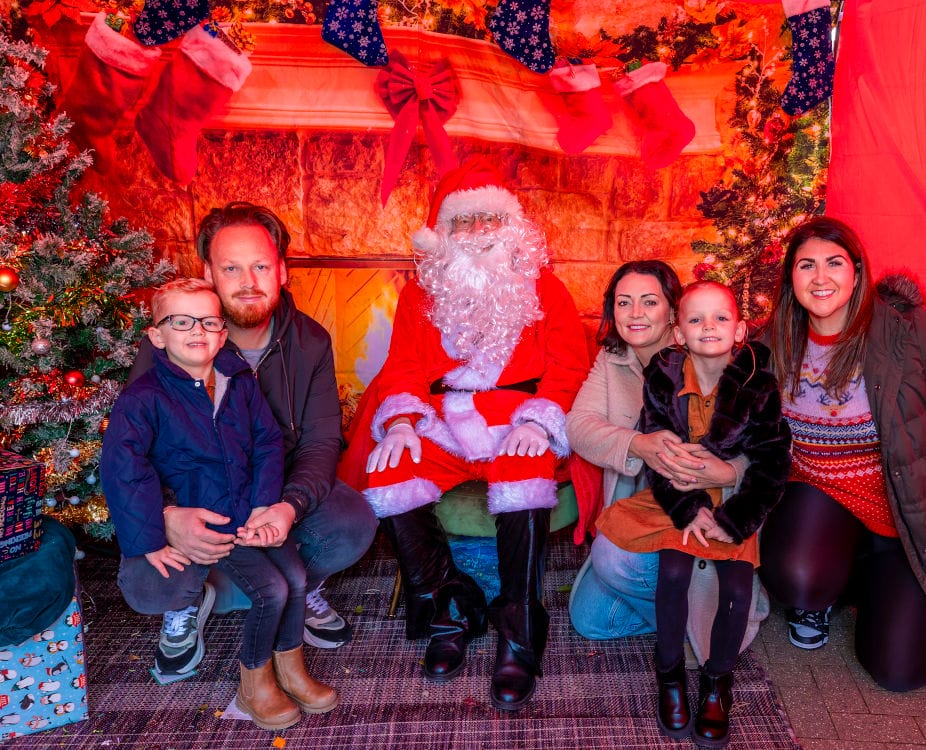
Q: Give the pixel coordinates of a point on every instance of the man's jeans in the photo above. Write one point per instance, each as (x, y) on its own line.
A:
(335, 535)
(614, 594)
(273, 578)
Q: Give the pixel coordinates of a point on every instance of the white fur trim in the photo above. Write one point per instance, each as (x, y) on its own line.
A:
(216, 59)
(548, 415)
(650, 73)
(399, 498)
(799, 7)
(425, 239)
(528, 494)
(469, 427)
(573, 78)
(396, 405)
(488, 198)
(119, 51)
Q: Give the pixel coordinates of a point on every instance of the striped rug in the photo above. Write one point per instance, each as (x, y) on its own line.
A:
(593, 694)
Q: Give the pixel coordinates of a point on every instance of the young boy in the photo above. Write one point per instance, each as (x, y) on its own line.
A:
(716, 390)
(196, 429)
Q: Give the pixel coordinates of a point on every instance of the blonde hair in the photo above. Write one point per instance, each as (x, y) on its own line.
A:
(177, 286)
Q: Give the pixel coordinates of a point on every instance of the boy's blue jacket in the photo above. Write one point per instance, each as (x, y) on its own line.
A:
(162, 441)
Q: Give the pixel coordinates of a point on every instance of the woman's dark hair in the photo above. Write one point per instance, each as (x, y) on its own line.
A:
(789, 323)
(608, 336)
(240, 213)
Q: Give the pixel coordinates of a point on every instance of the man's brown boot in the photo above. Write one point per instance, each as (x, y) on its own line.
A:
(260, 697)
(312, 696)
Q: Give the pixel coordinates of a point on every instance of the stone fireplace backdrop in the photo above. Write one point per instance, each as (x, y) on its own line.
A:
(306, 135)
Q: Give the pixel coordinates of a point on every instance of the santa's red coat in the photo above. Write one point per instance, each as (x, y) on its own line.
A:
(551, 351)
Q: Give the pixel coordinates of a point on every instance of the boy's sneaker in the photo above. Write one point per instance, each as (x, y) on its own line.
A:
(181, 646)
(809, 629)
(324, 628)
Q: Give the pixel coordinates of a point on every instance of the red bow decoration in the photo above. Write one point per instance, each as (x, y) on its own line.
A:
(432, 96)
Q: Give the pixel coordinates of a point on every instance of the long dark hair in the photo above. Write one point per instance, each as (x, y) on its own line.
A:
(789, 323)
(608, 337)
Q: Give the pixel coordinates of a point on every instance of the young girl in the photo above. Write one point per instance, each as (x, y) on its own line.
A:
(715, 390)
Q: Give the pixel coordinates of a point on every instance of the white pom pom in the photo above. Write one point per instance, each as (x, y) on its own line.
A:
(425, 239)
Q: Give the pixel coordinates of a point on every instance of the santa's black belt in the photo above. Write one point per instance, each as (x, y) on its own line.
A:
(526, 386)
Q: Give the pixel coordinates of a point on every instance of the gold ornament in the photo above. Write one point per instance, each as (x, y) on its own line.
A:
(93, 510)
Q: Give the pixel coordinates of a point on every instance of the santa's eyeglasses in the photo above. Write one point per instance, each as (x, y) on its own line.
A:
(482, 220)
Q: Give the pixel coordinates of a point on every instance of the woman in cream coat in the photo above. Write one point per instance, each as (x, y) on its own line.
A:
(613, 595)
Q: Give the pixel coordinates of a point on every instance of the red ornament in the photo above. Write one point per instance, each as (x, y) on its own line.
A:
(775, 126)
(772, 253)
(74, 377)
(9, 279)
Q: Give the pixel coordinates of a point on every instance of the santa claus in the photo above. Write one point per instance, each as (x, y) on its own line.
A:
(486, 357)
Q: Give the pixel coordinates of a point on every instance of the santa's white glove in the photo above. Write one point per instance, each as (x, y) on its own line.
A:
(398, 437)
(528, 439)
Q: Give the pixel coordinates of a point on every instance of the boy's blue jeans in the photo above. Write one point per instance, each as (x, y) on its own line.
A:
(273, 578)
(615, 596)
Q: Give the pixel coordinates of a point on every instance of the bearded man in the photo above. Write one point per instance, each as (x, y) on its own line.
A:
(486, 357)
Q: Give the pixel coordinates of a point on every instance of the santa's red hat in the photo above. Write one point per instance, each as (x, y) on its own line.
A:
(474, 187)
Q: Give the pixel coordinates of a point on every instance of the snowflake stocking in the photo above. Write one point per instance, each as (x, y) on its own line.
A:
(812, 66)
(522, 29)
(162, 21)
(353, 27)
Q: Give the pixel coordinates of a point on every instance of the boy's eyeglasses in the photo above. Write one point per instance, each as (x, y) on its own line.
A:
(466, 222)
(211, 323)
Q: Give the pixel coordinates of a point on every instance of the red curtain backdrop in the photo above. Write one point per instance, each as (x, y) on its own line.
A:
(877, 180)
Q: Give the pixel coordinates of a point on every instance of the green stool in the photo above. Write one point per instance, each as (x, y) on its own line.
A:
(462, 511)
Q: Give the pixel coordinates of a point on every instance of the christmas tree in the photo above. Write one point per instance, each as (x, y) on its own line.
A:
(69, 304)
(775, 178)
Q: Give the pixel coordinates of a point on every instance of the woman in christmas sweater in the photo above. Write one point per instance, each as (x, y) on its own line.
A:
(851, 359)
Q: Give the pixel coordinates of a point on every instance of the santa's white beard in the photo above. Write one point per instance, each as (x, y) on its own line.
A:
(483, 292)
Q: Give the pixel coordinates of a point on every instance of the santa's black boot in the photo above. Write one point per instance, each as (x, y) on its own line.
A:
(441, 602)
(517, 612)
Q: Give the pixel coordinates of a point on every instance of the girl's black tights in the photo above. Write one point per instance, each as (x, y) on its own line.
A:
(734, 598)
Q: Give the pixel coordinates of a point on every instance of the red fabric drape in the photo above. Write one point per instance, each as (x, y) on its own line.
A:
(877, 179)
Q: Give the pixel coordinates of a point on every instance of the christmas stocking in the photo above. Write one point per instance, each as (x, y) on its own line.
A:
(196, 84)
(812, 64)
(577, 105)
(353, 27)
(111, 73)
(162, 21)
(666, 128)
(522, 29)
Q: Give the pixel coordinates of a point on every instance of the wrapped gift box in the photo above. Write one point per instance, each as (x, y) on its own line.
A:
(22, 492)
(43, 681)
